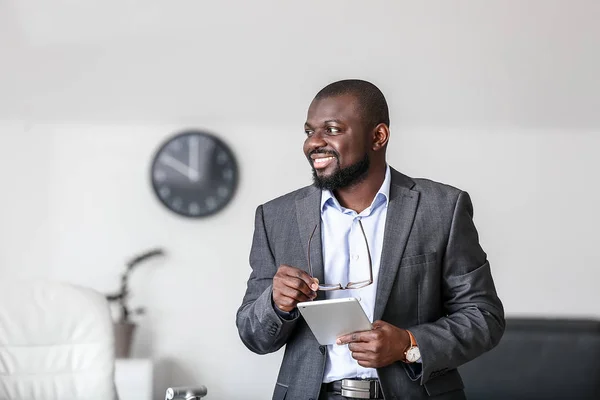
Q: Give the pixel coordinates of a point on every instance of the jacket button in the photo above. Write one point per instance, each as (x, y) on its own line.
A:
(322, 349)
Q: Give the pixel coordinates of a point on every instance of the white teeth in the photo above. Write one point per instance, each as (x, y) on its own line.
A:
(322, 160)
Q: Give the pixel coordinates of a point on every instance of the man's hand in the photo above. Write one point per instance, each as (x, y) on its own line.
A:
(292, 286)
(379, 347)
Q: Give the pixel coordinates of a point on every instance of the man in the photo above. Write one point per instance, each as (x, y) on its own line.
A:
(433, 300)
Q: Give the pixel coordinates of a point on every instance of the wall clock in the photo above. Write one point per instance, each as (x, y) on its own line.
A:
(194, 174)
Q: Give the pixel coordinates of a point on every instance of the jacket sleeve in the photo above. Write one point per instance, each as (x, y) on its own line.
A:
(261, 329)
(474, 320)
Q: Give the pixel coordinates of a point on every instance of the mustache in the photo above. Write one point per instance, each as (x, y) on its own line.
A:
(324, 152)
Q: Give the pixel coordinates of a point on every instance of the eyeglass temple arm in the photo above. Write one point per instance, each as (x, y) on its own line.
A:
(366, 243)
(308, 252)
(368, 250)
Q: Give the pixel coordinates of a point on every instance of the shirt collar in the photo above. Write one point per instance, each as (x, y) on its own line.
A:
(328, 199)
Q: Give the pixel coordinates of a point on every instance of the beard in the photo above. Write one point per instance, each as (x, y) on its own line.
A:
(342, 177)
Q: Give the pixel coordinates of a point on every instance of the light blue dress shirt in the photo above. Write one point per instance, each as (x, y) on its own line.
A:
(346, 260)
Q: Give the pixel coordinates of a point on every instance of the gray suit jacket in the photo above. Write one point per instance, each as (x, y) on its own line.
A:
(434, 280)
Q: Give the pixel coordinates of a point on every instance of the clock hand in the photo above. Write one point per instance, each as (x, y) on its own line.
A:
(207, 150)
(193, 158)
(177, 165)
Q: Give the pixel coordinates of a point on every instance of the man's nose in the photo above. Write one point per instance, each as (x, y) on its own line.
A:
(316, 141)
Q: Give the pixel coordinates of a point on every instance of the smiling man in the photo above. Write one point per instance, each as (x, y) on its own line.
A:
(432, 299)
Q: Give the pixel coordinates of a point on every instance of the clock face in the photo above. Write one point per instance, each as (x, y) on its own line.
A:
(194, 174)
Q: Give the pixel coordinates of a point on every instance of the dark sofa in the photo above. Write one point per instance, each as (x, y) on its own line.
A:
(546, 359)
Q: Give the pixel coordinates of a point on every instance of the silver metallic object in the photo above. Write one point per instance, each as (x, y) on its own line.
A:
(186, 393)
(360, 389)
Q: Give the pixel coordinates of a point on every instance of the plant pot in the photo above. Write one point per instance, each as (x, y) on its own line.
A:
(123, 337)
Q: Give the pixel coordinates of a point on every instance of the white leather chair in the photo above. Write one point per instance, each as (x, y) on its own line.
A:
(56, 342)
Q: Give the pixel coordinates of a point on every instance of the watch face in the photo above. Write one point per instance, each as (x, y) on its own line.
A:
(194, 174)
(413, 354)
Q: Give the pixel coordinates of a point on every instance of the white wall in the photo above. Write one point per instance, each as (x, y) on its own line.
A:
(499, 98)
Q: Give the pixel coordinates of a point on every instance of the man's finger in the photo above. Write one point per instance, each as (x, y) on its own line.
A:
(315, 284)
(363, 357)
(285, 303)
(293, 272)
(307, 279)
(360, 347)
(351, 338)
(293, 293)
(379, 324)
(367, 364)
(293, 284)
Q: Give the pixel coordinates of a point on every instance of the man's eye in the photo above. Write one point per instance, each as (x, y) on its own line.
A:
(333, 129)
(308, 132)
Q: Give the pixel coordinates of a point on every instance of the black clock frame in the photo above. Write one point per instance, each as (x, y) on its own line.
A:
(222, 145)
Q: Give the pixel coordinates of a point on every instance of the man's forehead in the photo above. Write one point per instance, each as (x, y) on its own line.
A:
(332, 108)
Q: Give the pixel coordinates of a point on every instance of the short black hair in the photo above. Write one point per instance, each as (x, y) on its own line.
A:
(372, 101)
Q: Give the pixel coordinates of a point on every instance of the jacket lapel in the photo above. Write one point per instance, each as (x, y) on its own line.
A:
(402, 207)
(308, 215)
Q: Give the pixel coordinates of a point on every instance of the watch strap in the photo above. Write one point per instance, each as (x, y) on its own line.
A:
(413, 343)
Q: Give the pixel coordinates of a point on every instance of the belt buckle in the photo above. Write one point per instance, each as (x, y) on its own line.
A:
(360, 388)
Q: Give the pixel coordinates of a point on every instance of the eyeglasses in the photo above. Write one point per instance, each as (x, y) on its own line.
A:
(350, 285)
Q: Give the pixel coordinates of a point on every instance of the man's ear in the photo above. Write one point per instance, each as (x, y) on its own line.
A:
(381, 135)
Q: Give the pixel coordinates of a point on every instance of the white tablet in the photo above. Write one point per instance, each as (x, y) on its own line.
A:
(330, 319)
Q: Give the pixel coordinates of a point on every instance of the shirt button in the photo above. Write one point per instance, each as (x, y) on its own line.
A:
(355, 257)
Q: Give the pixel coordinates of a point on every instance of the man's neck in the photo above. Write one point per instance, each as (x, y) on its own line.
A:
(360, 196)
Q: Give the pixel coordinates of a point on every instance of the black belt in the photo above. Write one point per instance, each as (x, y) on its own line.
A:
(356, 388)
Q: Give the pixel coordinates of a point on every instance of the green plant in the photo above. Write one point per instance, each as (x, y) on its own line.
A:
(122, 296)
